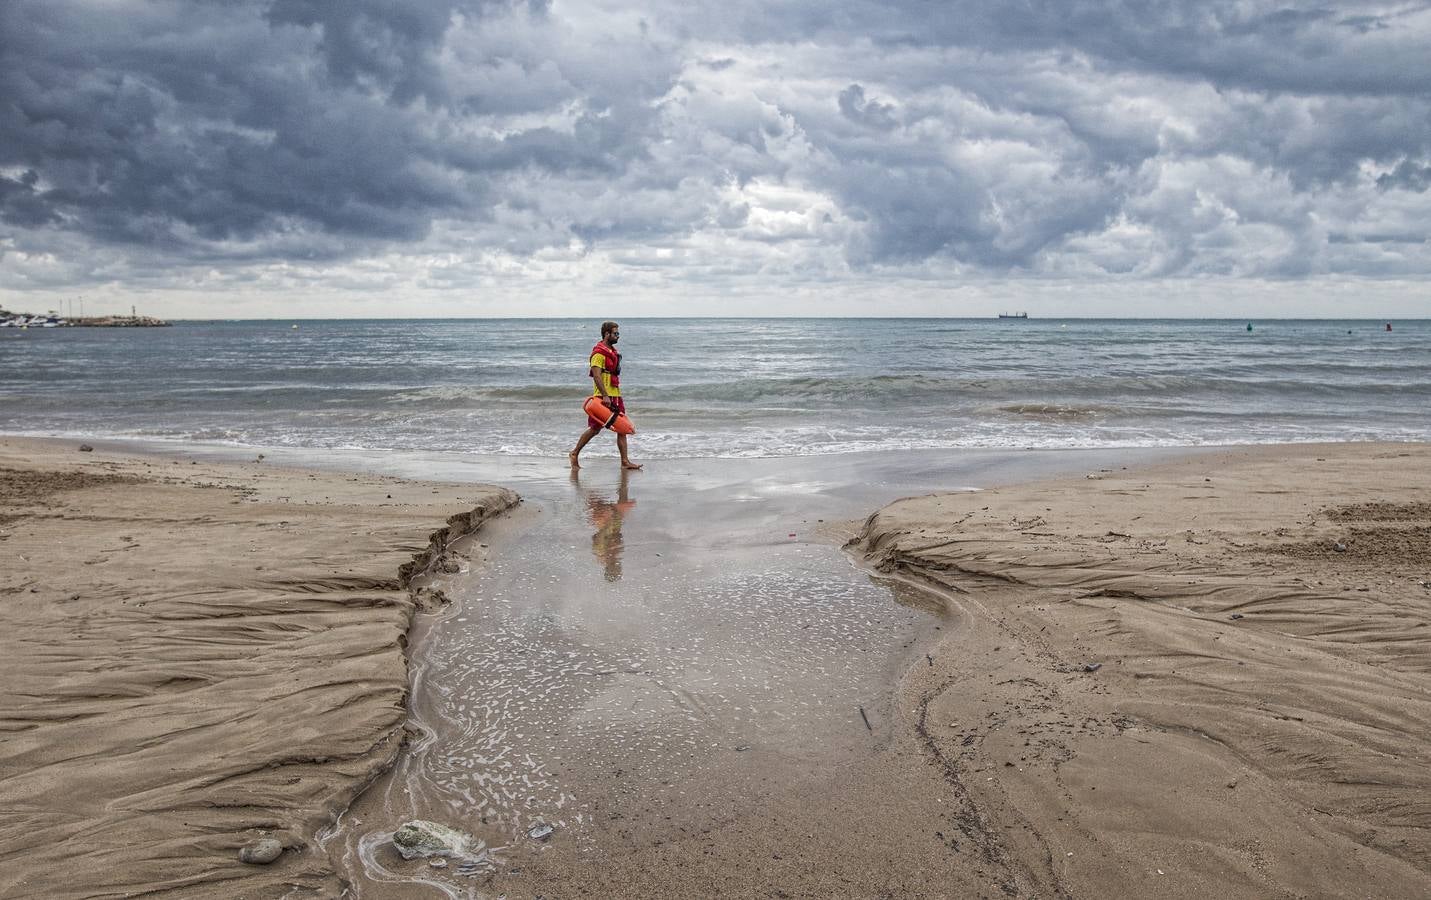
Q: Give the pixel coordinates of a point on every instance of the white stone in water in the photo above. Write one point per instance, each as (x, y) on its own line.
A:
(421, 838)
(261, 852)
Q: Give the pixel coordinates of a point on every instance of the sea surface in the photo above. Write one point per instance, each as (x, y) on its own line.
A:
(725, 387)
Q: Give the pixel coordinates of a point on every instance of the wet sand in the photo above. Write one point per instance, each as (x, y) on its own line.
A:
(1280, 754)
(1204, 679)
(629, 689)
(198, 656)
(680, 672)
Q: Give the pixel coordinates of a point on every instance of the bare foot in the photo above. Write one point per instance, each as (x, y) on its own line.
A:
(572, 456)
(628, 464)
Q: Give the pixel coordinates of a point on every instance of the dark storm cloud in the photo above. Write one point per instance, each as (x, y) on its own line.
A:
(1408, 176)
(175, 126)
(388, 45)
(1359, 48)
(209, 127)
(22, 203)
(857, 108)
(1122, 137)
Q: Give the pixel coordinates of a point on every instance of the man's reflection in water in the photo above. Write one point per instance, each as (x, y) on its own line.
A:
(606, 516)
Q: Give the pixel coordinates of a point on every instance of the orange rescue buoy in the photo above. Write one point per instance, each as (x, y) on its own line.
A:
(616, 421)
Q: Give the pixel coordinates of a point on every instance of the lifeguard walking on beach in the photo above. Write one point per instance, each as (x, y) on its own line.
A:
(606, 376)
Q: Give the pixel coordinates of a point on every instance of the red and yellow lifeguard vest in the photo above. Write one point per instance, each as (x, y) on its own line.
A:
(609, 361)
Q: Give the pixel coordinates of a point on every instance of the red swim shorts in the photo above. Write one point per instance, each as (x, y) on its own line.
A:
(598, 423)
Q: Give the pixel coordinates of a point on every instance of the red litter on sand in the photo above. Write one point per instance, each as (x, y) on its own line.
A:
(792, 534)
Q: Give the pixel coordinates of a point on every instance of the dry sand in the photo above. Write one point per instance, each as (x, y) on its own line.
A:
(197, 656)
(1258, 723)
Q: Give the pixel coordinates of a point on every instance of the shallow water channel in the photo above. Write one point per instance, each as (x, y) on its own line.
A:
(633, 656)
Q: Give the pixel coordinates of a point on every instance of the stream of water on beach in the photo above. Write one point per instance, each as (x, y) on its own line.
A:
(633, 657)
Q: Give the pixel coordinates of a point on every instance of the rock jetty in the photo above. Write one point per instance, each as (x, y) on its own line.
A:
(120, 322)
(53, 320)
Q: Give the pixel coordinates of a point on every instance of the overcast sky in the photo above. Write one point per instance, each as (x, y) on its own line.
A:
(234, 158)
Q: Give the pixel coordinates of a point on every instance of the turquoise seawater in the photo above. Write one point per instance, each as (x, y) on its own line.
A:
(726, 387)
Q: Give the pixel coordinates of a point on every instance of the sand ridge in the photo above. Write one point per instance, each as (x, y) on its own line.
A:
(197, 655)
(1208, 678)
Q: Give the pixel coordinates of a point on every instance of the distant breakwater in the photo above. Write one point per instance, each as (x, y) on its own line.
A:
(24, 320)
(119, 322)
